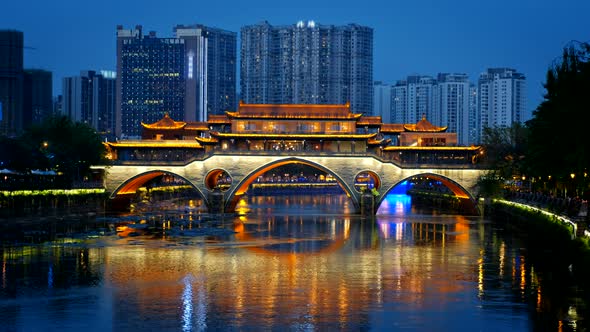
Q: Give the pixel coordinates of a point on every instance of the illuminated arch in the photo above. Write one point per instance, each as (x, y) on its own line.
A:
(131, 185)
(372, 175)
(463, 194)
(241, 188)
(212, 178)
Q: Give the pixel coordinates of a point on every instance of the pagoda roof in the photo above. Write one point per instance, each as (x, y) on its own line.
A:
(373, 141)
(292, 136)
(423, 126)
(203, 126)
(155, 144)
(218, 119)
(293, 111)
(431, 148)
(369, 121)
(165, 123)
(392, 128)
(207, 140)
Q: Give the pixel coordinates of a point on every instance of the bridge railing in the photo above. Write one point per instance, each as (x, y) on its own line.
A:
(446, 164)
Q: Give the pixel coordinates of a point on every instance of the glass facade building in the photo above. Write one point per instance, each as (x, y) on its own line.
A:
(188, 76)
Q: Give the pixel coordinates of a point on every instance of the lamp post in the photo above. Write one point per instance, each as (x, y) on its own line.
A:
(573, 176)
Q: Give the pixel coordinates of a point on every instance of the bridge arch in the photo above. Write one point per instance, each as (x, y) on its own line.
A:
(131, 185)
(240, 189)
(458, 190)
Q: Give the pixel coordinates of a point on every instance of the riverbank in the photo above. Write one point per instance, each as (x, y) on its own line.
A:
(51, 202)
(552, 239)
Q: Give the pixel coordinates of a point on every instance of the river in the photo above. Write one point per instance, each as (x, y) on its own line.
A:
(296, 262)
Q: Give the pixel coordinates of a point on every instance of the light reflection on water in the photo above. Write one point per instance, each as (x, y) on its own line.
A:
(295, 262)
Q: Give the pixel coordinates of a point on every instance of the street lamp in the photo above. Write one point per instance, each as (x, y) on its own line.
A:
(573, 175)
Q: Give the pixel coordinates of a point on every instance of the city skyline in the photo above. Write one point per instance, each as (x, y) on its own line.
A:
(61, 38)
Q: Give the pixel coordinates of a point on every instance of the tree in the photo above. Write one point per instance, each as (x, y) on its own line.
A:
(558, 144)
(506, 149)
(66, 147)
(18, 155)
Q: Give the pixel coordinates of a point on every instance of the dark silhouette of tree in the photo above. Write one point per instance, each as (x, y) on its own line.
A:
(560, 127)
(505, 149)
(18, 155)
(66, 147)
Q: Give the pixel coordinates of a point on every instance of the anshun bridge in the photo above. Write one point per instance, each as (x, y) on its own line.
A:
(237, 148)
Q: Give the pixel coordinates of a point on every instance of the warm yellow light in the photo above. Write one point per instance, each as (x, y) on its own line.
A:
(523, 178)
(573, 175)
(549, 177)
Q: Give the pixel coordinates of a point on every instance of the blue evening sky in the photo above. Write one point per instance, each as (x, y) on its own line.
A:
(410, 37)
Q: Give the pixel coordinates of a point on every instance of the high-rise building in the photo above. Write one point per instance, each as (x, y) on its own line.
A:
(37, 96)
(58, 102)
(444, 101)
(413, 98)
(382, 101)
(90, 98)
(451, 107)
(473, 120)
(307, 63)
(188, 76)
(399, 102)
(11, 82)
(502, 98)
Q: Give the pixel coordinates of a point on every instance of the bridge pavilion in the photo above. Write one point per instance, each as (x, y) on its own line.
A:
(284, 129)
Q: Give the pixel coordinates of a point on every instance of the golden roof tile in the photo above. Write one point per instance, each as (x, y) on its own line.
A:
(155, 144)
(165, 123)
(292, 136)
(424, 126)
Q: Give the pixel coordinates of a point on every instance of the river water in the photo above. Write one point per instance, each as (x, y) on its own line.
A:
(299, 262)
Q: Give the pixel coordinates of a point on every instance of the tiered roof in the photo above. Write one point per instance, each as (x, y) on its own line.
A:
(294, 111)
(165, 123)
(369, 121)
(424, 126)
(293, 136)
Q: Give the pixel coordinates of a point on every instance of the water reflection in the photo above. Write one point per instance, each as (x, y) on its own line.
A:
(306, 267)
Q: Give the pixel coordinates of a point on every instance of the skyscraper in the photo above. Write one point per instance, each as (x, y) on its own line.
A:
(37, 96)
(399, 102)
(413, 98)
(11, 82)
(189, 76)
(502, 98)
(451, 108)
(307, 63)
(473, 120)
(382, 101)
(90, 99)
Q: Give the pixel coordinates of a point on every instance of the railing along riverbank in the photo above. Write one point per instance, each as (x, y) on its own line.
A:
(550, 236)
(571, 224)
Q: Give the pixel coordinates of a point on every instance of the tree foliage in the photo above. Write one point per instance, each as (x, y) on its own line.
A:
(559, 143)
(506, 149)
(56, 144)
